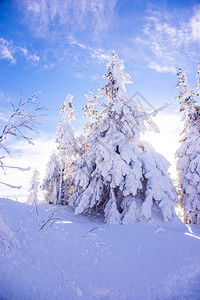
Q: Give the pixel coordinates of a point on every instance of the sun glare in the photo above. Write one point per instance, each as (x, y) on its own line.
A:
(167, 141)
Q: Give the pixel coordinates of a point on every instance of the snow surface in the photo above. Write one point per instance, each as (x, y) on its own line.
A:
(80, 258)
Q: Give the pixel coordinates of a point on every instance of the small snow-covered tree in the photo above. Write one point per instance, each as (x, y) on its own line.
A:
(34, 189)
(188, 155)
(52, 180)
(120, 176)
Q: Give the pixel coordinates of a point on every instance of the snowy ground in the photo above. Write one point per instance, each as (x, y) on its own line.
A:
(79, 258)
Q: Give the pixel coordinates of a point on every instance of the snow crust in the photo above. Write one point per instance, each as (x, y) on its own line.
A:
(74, 257)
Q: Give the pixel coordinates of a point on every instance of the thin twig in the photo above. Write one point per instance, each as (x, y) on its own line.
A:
(50, 218)
(91, 231)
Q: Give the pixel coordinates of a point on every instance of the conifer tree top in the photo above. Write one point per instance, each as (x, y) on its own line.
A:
(114, 90)
(67, 109)
(188, 103)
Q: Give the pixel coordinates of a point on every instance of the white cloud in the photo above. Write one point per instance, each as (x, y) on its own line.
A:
(99, 54)
(170, 40)
(195, 24)
(23, 50)
(28, 56)
(160, 68)
(33, 57)
(9, 51)
(71, 14)
(73, 42)
(49, 66)
(6, 50)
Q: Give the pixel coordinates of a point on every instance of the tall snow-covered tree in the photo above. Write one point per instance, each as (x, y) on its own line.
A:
(67, 147)
(188, 155)
(34, 188)
(120, 176)
(52, 180)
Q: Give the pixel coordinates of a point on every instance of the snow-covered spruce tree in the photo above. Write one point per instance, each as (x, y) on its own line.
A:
(188, 155)
(67, 148)
(52, 180)
(121, 177)
(34, 189)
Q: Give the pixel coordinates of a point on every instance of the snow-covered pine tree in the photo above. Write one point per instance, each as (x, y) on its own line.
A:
(34, 189)
(67, 148)
(119, 176)
(188, 155)
(52, 180)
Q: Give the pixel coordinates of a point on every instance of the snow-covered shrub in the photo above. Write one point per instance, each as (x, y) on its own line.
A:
(34, 189)
(120, 176)
(188, 155)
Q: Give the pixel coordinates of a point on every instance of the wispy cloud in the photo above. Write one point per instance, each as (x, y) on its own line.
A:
(195, 24)
(170, 40)
(73, 15)
(6, 50)
(9, 52)
(30, 57)
(100, 54)
(162, 68)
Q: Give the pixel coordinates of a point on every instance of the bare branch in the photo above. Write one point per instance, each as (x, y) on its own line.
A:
(18, 168)
(49, 219)
(23, 119)
(11, 186)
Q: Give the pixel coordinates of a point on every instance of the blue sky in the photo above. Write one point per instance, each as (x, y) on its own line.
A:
(60, 47)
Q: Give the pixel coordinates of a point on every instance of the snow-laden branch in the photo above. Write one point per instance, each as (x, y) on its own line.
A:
(160, 109)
